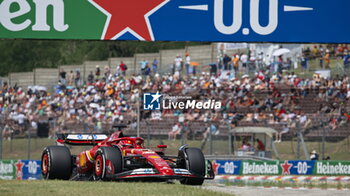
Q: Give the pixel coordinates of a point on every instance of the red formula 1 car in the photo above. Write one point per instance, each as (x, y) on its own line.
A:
(122, 158)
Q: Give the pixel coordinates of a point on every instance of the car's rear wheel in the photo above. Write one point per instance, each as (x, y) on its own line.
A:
(194, 161)
(108, 161)
(56, 163)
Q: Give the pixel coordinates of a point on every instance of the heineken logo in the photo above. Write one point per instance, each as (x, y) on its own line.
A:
(40, 22)
(6, 168)
(337, 168)
(259, 168)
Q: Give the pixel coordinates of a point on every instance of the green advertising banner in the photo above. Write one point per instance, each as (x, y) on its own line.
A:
(7, 170)
(41, 19)
(332, 168)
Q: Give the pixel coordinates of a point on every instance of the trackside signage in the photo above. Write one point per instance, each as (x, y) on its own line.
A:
(293, 167)
(332, 168)
(7, 170)
(177, 20)
(20, 169)
(256, 168)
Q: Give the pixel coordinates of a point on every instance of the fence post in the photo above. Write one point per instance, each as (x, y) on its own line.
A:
(298, 139)
(29, 141)
(210, 142)
(323, 142)
(148, 134)
(1, 130)
(230, 140)
(138, 115)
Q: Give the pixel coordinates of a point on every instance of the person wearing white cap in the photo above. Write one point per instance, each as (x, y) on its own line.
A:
(178, 63)
(314, 155)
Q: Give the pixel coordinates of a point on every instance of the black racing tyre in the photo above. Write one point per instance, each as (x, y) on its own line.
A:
(56, 163)
(101, 167)
(195, 163)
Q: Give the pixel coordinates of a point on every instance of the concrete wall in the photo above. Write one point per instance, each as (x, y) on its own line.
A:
(23, 79)
(201, 54)
(4, 79)
(46, 77)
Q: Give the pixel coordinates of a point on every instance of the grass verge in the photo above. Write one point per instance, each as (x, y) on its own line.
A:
(42, 187)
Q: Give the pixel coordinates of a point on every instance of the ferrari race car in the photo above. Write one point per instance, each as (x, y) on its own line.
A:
(122, 158)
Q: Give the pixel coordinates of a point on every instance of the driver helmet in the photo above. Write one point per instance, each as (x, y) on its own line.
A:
(125, 143)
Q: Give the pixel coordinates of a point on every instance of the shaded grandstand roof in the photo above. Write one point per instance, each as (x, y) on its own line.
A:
(256, 130)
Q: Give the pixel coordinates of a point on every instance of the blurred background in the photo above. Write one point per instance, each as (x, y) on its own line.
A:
(279, 101)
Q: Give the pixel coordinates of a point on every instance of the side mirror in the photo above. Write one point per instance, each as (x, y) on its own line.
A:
(162, 146)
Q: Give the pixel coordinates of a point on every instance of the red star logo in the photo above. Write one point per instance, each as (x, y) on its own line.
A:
(19, 166)
(216, 167)
(128, 16)
(286, 167)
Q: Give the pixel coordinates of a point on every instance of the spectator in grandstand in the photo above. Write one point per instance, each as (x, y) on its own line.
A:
(90, 78)
(346, 62)
(7, 132)
(71, 78)
(147, 71)
(244, 59)
(62, 76)
(327, 158)
(246, 145)
(260, 146)
(213, 69)
(283, 131)
(155, 66)
(98, 72)
(143, 64)
(187, 62)
(314, 155)
(122, 68)
(304, 62)
(107, 71)
(326, 59)
(77, 78)
(178, 63)
(236, 62)
(175, 131)
(156, 115)
(226, 60)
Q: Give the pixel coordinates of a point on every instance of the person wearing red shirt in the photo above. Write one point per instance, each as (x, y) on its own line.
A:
(122, 68)
(260, 145)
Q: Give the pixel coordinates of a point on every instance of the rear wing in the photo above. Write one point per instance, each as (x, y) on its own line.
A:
(80, 139)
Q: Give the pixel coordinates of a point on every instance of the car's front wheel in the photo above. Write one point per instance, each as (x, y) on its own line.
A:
(194, 161)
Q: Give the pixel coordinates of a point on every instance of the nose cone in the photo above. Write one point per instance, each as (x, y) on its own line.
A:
(166, 171)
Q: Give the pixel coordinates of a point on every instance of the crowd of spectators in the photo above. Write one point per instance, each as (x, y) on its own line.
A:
(109, 97)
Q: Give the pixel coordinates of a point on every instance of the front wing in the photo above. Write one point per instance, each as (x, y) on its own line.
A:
(152, 174)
